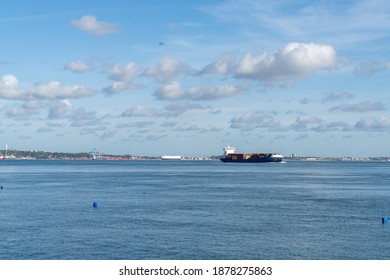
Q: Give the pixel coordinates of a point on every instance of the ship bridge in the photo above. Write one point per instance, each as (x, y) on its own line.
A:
(228, 150)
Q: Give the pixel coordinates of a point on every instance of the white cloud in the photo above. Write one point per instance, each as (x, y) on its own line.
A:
(359, 107)
(54, 89)
(121, 73)
(9, 87)
(296, 60)
(308, 119)
(332, 126)
(167, 69)
(305, 122)
(173, 91)
(78, 66)
(117, 87)
(81, 118)
(222, 66)
(187, 128)
(171, 110)
(373, 124)
(211, 93)
(336, 95)
(60, 109)
(122, 78)
(252, 120)
(179, 108)
(90, 25)
(139, 111)
(25, 110)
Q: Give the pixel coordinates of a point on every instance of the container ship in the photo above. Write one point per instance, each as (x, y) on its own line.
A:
(231, 156)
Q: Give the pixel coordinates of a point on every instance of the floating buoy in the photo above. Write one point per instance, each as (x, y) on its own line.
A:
(1, 187)
(385, 220)
(95, 205)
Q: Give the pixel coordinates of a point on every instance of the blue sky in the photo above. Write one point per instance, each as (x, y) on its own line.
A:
(188, 77)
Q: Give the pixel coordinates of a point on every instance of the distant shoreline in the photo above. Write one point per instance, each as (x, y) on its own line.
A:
(44, 155)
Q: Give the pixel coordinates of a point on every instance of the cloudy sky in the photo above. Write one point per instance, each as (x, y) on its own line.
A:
(188, 77)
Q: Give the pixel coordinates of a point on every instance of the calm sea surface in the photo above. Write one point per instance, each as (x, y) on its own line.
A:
(194, 210)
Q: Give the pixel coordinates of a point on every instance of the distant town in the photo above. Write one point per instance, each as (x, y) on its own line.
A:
(92, 155)
(96, 155)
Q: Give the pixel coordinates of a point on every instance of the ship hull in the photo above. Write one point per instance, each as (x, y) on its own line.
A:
(252, 160)
(231, 156)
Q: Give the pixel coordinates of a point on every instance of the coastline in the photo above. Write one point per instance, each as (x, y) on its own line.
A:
(44, 155)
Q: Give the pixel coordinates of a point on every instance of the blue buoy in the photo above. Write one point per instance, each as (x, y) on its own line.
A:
(1, 187)
(95, 205)
(385, 220)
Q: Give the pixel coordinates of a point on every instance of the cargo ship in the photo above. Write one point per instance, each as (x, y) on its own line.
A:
(230, 155)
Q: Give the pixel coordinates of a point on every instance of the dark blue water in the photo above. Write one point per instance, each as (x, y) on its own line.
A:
(194, 210)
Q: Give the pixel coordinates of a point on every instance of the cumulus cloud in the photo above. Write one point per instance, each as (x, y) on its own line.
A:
(305, 122)
(81, 118)
(294, 60)
(171, 110)
(359, 107)
(178, 108)
(187, 128)
(55, 89)
(26, 109)
(332, 126)
(117, 87)
(78, 66)
(211, 93)
(168, 69)
(173, 91)
(222, 66)
(60, 109)
(251, 120)
(122, 77)
(21, 112)
(121, 73)
(336, 96)
(373, 124)
(92, 26)
(139, 111)
(308, 119)
(9, 87)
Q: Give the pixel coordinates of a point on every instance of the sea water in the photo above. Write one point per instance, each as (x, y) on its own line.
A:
(169, 210)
